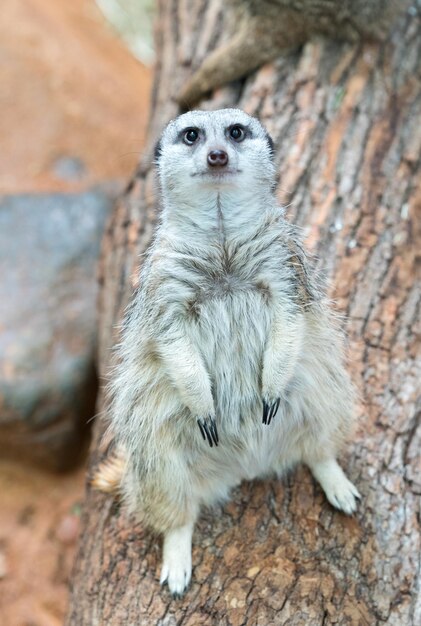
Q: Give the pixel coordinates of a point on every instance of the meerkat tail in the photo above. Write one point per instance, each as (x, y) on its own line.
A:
(109, 474)
(230, 62)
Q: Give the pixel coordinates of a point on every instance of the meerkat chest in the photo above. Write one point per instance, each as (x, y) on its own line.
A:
(226, 278)
(230, 317)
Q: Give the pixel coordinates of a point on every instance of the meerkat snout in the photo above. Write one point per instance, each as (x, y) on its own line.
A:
(217, 158)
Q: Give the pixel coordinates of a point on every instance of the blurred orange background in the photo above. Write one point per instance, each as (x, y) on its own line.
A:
(69, 88)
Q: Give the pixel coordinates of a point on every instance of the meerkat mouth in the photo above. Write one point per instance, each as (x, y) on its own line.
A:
(217, 173)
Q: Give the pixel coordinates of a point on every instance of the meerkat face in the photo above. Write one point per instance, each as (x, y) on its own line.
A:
(215, 150)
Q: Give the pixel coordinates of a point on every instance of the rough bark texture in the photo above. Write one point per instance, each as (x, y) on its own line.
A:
(346, 121)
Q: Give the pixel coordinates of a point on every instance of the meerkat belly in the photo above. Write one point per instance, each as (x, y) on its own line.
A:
(232, 333)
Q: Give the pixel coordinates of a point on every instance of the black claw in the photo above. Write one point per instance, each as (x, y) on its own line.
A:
(274, 410)
(209, 431)
(177, 595)
(201, 429)
(270, 410)
(208, 435)
(265, 412)
(214, 432)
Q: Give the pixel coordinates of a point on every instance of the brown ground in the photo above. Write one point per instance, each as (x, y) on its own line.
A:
(68, 88)
(39, 520)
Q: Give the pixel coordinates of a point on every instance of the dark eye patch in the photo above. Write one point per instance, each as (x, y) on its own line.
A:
(238, 132)
(190, 135)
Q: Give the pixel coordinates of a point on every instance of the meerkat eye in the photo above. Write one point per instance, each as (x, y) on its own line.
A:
(237, 133)
(190, 136)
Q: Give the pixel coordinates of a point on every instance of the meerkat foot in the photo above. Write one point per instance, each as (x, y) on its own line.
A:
(339, 490)
(177, 564)
(270, 409)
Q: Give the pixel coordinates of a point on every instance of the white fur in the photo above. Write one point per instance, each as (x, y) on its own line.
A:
(340, 492)
(228, 314)
(176, 565)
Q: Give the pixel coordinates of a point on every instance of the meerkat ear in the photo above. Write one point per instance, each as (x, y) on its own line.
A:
(271, 144)
(157, 151)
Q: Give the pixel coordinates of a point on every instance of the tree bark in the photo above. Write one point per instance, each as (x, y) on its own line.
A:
(347, 124)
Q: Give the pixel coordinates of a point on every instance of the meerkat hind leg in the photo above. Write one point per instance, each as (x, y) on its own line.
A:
(339, 490)
(177, 560)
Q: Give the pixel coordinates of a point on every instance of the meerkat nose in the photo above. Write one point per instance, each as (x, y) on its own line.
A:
(217, 157)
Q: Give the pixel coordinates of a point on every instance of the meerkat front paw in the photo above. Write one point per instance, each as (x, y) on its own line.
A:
(177, 563)
(208, 430)
(339, 490)
(270, 409)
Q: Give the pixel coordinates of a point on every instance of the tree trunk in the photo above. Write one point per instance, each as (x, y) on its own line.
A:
(347, 124)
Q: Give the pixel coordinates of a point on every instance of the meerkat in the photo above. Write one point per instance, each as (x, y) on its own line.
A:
(230, 363)
(263, 29)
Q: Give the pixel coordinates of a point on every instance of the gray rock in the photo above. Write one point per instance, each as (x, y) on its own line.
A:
(49, 246)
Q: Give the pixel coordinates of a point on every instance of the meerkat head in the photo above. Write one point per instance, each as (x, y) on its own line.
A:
(214, 150)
